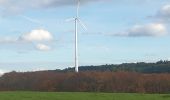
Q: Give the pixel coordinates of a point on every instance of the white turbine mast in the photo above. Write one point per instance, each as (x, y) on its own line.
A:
(77, 22)
(76, 36)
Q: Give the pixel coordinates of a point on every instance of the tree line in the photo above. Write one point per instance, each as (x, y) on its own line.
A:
(87, 81)
(141, 67)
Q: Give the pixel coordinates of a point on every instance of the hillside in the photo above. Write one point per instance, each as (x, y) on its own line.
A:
(141, 67)
(123, 78)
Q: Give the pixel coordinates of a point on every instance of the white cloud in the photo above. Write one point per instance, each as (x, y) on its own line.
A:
(37, 35)
(34, 38)
(165, 10)
(153, 29)
(43, 47)
(163, 14)
(16, 6)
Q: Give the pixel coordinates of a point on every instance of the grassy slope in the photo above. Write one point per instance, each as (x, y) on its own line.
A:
(79, 96)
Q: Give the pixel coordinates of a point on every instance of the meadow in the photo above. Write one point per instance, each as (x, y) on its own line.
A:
(80, 96)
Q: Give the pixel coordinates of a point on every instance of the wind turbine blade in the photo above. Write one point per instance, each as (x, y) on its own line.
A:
(78, 6)
(82, 24)
(69, 19)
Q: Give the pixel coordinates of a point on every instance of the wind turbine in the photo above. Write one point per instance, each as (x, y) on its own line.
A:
(77, 21)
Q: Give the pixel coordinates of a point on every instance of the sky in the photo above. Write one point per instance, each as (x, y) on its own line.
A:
(36, 35)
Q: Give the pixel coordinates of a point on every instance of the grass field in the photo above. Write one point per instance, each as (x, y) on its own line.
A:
(79, 96)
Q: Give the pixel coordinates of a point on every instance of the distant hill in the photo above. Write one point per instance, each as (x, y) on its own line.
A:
(141, 67)
(124, 78)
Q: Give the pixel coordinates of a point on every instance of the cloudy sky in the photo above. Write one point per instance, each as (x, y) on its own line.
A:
(35, 34)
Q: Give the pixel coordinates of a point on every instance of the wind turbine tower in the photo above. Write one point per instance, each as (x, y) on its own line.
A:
(77, 22)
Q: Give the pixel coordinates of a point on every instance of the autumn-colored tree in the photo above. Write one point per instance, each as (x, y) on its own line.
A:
(89, 81)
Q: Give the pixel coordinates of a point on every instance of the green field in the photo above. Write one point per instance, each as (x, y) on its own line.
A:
(79, 96)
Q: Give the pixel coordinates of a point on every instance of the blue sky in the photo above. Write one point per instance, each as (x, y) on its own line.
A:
(36, 36)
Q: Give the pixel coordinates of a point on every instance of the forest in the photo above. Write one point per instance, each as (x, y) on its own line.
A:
(161, 66)
(124, 78)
